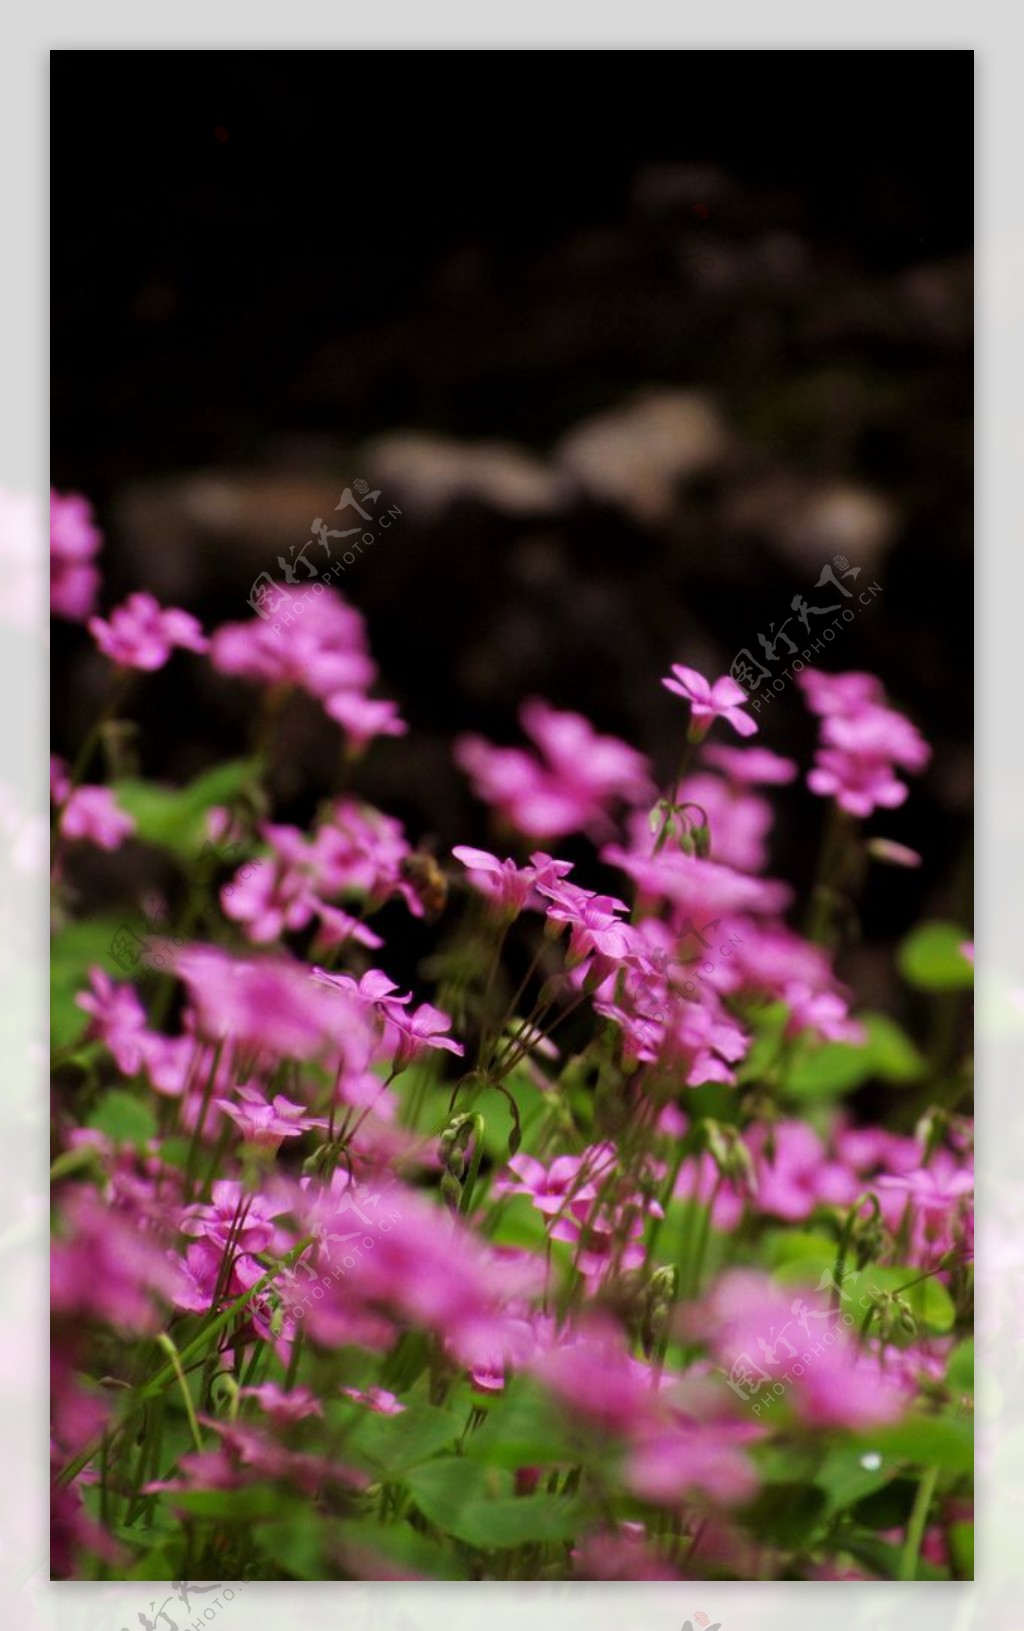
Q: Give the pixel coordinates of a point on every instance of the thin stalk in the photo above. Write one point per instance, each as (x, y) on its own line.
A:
(916, 1526)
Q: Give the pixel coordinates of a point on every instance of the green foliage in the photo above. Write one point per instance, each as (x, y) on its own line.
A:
(391, 1445)
(831, 1069)
(124, 1118)
(476, 1504)
(945, 1441)
(174, 818)
(522, 1430)
(76, 949)
(930, 958)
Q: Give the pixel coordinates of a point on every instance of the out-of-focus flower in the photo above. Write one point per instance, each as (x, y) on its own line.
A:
(760, 1334)
(74, 542)
(92, 813)
(363, 718)
(104, 1268)
(283, 1408)
(750, 767)
(862, 743)
(571, 788)
(722, 700)
(142, 633)
(377, 1399)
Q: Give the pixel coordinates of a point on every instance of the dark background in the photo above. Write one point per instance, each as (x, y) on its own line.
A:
(270, 270)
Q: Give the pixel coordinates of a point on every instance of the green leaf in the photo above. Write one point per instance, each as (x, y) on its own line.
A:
(960, 1370)
(831, 1069)
(945, 1441)
(783, 1246)
(391, 1445)
(475, 1504)
(245, 1505)
(930, 958)
(123, 1118)
(883, 1559)
(174, 818)
(961, 1546)
(363, 1547)
(75, 950)
(295, 1543)
(788, 1514)
(845, 1479)
(522, 1430)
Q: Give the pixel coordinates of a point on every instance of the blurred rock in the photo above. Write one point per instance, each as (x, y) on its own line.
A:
(637, 455)
(434, 472)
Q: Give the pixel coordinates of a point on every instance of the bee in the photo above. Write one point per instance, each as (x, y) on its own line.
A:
(422, 872)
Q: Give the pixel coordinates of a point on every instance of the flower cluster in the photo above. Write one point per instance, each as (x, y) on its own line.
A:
(570, 1248)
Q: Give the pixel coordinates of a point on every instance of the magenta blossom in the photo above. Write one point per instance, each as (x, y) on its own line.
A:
(377, 1399)
(92, 813)
(863, 742)
(74, 543)
(580, 776)
(413, 1031)
(722, 700)
(142, 634)
(266, 1125)
(508, 887)
(363, 718)
(750, 767)
(283, 1408)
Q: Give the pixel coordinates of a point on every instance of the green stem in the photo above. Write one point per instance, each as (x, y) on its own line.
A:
(916, 1526)
(154, 1388)
(167, 1345)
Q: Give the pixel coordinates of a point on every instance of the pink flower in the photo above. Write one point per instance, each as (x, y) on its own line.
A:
(74, 541)
(103, 1267)
(141, 634)
(271, 1003)
(413, 1031)
(595, 928)
(722, 700)
(377, 1399)
(60, 779)
(266, 1125)
(862, 743)
(92, 813)
(283, 1408)
(233, 1214)
(760, 1333)
(363, 718)
(508, 887)
(839, 693)
(750, 767)
(317, 643)
(549, 1188)
(118, 1019)
(622, 1554)
(571, 788)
